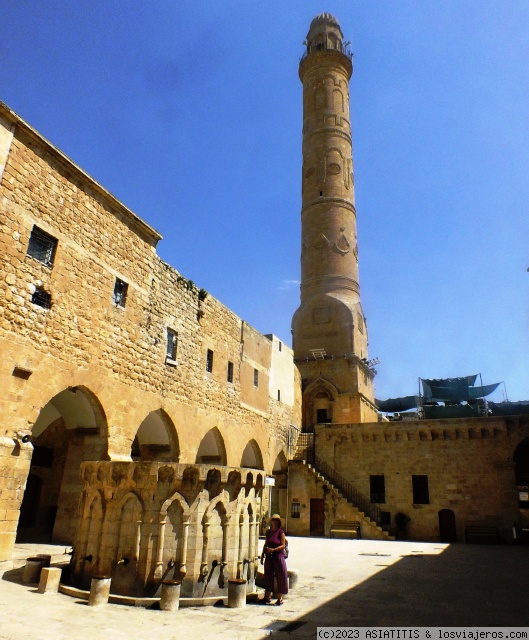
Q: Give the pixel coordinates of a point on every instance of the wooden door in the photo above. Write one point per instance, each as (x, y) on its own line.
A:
(317, 517)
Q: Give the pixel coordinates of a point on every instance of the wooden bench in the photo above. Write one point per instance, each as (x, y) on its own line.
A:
(345, 529)
(482, 534)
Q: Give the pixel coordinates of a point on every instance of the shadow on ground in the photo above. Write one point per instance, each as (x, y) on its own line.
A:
(462, 586)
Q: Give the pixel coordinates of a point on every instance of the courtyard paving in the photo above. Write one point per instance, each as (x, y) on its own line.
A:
(341, 583)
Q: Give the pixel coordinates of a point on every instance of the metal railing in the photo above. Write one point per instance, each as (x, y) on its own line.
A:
(305, 450)
(304, 447)
(293, 436)
(346, 488)
(325, 47)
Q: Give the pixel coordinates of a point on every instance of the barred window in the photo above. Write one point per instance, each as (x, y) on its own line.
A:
(42, 246)
(296, 510)
(255, 378)
(230, 371)
(120, 292)
(209, 361)
(172, 343)
(41, 298)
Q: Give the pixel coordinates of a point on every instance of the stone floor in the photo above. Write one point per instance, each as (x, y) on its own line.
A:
(341, 583)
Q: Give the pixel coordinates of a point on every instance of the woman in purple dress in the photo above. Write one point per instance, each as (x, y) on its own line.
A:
(274, 560)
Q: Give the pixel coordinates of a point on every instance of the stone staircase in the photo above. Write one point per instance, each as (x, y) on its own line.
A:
(359, 507)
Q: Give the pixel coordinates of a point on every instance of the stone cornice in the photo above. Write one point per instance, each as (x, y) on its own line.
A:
(326, 200)
(146, 231)
(340, 133)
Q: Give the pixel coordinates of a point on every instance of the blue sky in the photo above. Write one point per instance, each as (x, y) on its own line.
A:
(190, 113)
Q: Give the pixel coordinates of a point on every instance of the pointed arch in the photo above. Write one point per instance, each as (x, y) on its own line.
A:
(212, 449)
(251, 456)
(78, 406)
(175, 497)
(74, 412)
(92, 529)
(156, 439)
(220, 504)
(318, 403)
(280, 463)
(130, 516)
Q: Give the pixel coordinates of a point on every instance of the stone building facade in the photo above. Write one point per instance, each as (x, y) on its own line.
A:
(352, 475)
(142, 419)
(110, 354)
(448, 477)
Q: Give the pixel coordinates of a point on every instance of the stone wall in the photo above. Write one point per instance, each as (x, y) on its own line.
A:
(468, 464)
(14, 464)
(101, 364)
(305, 484)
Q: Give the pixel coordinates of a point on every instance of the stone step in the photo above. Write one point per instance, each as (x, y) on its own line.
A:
(340, 495)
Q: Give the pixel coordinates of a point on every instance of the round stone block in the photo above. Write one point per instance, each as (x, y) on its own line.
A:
(236, 593)
(99, 590)
(170, 596)
(32, 569)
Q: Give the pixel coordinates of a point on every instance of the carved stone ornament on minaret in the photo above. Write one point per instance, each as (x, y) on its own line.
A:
(330, 317)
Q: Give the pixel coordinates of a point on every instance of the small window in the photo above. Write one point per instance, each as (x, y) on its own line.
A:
(172, 343)
(420, 490)
(255, 378)
(42, 246)
(230, 372)
(279, 395)
(377, 487)
(280, 346)
(296, 510)
(41, 298)
(209, 361)
(120, 292)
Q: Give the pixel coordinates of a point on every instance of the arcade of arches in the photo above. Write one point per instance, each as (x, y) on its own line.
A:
(71, 429)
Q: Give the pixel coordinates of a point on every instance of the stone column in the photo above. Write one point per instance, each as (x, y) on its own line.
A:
(185, 538)
(205, 540)
(158, 571)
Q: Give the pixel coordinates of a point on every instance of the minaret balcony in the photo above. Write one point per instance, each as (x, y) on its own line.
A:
(324, 55)
(325, 46)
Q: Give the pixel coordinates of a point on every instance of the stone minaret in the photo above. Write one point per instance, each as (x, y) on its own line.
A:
(329, 328)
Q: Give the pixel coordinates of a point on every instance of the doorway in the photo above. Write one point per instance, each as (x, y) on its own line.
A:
(317, 517)
(69, 430)
(447, 526)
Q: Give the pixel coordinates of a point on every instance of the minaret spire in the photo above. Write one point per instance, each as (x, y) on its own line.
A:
(330, 317)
